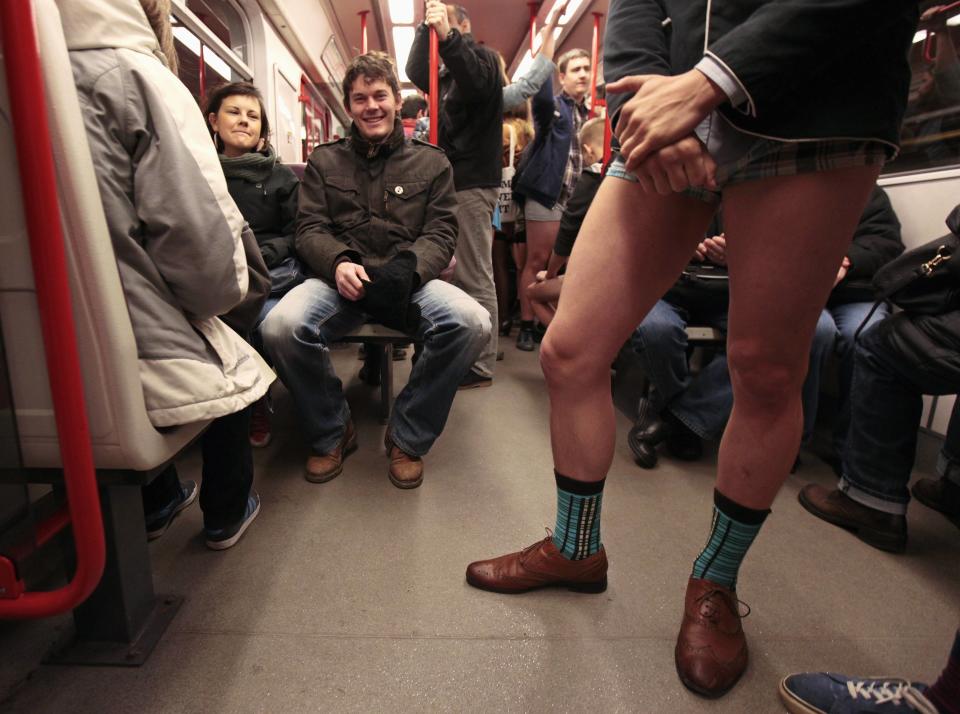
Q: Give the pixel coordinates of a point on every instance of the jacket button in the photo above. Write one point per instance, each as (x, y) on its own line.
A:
(259, 185)
(398, 190)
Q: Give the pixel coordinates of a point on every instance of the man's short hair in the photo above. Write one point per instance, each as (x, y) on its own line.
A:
(372, 66)
(592, 131)
(569, 55)
(459, 11)
(413, 104)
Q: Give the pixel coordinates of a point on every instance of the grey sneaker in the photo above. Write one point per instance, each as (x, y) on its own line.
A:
(223, 538)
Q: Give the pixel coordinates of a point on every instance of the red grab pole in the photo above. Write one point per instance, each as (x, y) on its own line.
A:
(363, 31)
(434, 87)
(42, 212)
(534, 7)
(594, 61)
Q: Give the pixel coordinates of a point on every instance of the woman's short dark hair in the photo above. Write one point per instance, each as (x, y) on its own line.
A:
(233, 89)
(373, 66)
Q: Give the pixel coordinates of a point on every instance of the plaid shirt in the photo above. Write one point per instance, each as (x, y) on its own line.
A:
(575, 163)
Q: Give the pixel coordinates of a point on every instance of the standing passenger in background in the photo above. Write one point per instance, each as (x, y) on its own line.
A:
(183, 252)
(471, 116)
(265, 191)
(549, 172)
(413, 109)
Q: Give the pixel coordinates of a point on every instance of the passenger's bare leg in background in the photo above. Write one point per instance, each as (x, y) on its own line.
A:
(786, 238)
(541, 236)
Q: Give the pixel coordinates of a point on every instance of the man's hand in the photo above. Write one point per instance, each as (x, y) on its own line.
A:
(662, 110)
(548, 39)
(934, 18)
(715, 249)
(435, 16)
(348, 276)
(676, 167)
(844, 269)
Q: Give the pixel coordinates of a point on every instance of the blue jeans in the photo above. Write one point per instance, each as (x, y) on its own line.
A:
(704, 403)
(296, 334)
(885, 410)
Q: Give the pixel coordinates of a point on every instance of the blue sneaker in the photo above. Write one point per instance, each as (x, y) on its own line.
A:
(223, 538)
(159, 521)
(829, 693)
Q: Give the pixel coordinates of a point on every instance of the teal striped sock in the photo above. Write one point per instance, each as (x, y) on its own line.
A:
(577, 535)
(731, 535)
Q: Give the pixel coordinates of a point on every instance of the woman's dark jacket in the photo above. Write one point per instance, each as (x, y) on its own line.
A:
(471, 105)
(586, 190)
(876, 242)
(270, 207)
(541, 169)
(810, 69)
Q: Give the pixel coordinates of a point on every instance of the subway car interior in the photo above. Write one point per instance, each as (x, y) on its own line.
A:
(348, 592)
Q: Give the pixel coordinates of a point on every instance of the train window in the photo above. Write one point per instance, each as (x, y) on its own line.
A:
(931, 130)
(202, 67)
(225, 21)
(315, 118)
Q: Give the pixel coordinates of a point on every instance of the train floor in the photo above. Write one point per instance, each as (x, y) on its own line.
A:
(350, 596)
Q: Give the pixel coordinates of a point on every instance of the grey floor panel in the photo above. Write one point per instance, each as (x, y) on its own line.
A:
(350, 596)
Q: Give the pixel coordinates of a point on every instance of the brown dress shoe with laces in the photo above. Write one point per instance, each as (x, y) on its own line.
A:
(321, 469)
(886, 531)
(405, 471)
(711, 652)
(539, 565)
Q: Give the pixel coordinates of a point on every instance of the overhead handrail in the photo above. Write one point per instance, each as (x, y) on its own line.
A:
(48, 256)
(434, 97)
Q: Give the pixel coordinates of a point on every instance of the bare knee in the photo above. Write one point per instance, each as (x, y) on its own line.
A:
(765, 376)
(566, 361)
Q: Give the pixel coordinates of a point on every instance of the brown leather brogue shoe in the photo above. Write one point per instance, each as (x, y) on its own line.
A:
(711, 652)
(540, 565)
(886, 531)
(405, 471)
(321, 469)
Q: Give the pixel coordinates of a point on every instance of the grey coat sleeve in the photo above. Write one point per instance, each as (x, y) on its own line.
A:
(514, 95)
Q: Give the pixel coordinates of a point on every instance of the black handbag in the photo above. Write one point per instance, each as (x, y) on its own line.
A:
(923, 281)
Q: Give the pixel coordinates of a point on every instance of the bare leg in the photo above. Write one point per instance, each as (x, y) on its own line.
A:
(630, 250)
(541, 236)
(786, 238)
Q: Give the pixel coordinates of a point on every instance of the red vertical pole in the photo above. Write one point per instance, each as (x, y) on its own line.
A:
(434, 87)
(607, 141)
(203, 76)
(594, 62)
(363, 31)
(534, 7)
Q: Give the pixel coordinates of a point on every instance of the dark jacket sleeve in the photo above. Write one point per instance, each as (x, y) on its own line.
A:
(475, 69)
(315, 243)
(436, 243)
(577, 207)
(243, 317)
(418, 61)
(636, 43)
(877, 239)
(788, 42)
(277, 249)
(543, 106)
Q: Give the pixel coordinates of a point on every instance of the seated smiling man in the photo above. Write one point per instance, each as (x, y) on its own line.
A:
(377, 223)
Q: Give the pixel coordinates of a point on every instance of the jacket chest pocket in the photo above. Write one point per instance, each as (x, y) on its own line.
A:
(344, 206)
(406, 202)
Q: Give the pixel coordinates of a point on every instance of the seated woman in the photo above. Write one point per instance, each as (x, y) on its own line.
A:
(265, 191)
(183, 252)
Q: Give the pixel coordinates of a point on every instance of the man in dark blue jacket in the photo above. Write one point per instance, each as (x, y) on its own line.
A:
(471, 117)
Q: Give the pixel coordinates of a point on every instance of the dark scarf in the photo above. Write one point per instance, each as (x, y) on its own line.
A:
(369, 149)
(254, 166)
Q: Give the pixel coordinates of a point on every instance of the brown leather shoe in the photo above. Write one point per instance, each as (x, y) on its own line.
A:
(941, 495)
(321, 469)
(886, 531)
(405, 471)
(537, 566)
(711, 652)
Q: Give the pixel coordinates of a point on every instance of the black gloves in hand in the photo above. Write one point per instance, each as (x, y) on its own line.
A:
(387, 296)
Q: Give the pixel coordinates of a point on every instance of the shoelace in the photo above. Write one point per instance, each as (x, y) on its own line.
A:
(891, 692)
(743, 609)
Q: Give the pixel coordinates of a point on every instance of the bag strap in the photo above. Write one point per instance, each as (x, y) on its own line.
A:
(513, 144)
(856, 335)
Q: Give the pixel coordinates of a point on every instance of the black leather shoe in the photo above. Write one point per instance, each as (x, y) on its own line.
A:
(644, 453)
(882, 530)
(941, 495)
(525, 340)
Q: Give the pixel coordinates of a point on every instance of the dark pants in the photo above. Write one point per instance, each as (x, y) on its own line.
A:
(886, 404)
(227, 474)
